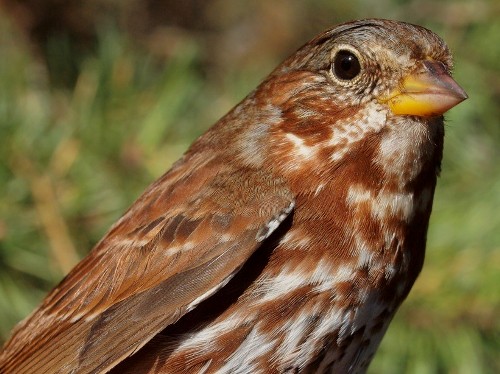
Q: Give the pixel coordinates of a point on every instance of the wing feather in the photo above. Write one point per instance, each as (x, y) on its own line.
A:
(183, 239)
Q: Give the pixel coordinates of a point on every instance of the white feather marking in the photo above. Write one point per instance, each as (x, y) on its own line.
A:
(273, 224)
(326, 278)
(226, 237)
(323, 279)
(401, 149)
(203, 340)
(365, 256)
(292, 349)
(346, 325)
(300, 148)
(296, 354)
(281, 284)
(383, 204)
(184, 247)
(393, 204)
(369, 120)
(330, 320)
(205, 367)
(320, 187)
(187, 246)
(246, 357)
(296, 238)
(136, 241)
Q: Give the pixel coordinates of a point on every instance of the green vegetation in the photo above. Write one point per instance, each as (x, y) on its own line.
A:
(72, 158)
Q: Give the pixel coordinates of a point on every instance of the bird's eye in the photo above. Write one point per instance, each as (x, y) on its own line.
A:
(346, 65)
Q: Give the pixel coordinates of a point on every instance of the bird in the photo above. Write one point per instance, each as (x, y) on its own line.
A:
(286, 236)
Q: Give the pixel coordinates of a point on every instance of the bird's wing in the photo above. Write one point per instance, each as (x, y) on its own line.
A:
(184, 239)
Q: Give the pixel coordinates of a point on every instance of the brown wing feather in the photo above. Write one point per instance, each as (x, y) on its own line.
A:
(183, 239)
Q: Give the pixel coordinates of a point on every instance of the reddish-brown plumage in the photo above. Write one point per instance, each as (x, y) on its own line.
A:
(285, 238)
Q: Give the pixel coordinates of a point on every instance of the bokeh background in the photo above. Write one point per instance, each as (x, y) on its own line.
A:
(99, 97)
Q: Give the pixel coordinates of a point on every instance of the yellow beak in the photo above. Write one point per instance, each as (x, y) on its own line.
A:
(427, 93)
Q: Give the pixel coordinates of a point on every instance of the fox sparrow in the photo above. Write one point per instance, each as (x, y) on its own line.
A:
(283, 240)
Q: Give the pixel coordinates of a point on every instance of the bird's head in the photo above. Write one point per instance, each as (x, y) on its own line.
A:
(366, 92)
(406, 67)
(369, 94)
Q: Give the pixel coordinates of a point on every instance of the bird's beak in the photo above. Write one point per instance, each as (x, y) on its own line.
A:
(429, 92)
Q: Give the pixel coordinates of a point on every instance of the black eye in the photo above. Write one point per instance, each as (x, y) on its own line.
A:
(346, 65)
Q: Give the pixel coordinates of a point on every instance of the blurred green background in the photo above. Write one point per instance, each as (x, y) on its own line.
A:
(98, 98)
